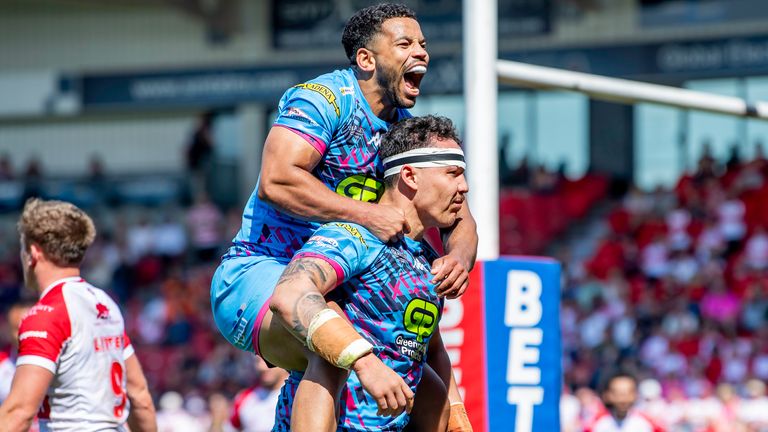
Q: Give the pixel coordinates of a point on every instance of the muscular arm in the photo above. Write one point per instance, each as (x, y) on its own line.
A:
(298, 299)
(461, 239)
(288, 184)
(451, 271)
(142, 417)
(299, 294)
(28, 389)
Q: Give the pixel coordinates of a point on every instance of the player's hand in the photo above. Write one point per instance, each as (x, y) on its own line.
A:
(450, 277)
(386, 387)
(386, 222)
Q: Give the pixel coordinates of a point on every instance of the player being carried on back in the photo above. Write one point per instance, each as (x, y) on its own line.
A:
(321, 164)
(385, 289)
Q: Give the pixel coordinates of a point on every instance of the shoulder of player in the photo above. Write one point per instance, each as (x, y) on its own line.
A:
(351, 231)
(52, 305)
(335, 87)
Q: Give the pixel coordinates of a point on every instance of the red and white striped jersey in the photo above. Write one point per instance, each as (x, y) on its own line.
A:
(634, 422)
(254, 409)
(77, 332)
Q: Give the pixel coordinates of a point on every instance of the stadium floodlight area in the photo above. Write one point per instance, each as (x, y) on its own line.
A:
(625, 91)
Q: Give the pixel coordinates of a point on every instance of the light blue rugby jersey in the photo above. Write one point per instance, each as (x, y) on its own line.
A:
(331, 113)
(387, 295)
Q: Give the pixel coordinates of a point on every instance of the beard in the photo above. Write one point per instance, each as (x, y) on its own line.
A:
(389, 80)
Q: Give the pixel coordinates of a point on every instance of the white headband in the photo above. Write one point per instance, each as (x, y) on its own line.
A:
(426, 157)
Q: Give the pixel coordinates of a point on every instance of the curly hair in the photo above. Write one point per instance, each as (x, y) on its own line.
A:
(60, 229)
(366, 23)
(413, 133)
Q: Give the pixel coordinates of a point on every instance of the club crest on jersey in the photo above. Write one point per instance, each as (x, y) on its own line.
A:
(325, 92)
(102, 311)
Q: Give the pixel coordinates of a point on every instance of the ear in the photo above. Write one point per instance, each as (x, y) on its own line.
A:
(35, 254)
(409, 177)
(365, 59)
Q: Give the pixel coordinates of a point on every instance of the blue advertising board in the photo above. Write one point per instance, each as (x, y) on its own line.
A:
(522, 304)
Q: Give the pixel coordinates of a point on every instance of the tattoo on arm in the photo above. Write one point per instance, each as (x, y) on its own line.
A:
(310, 278)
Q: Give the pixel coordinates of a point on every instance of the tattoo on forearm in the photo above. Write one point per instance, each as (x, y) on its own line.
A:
(310, 278)
(304, 310)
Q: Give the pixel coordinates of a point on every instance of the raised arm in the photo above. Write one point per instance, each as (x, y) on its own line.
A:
(460, 243)
(288, 184)
(299, 305)
(28, 389)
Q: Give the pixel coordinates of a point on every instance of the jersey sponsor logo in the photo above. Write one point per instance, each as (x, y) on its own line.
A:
(323, 241)
(361, 187)
(38, 308)
(108, 343)
(324, 92)
(347, 90)
(42, 334)
(298, 114)
(355, 233)
(239, 326)
(411, 348)
(102, 311)
(421, 318)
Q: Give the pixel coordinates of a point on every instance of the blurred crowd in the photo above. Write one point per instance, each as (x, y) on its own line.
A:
(677, 294)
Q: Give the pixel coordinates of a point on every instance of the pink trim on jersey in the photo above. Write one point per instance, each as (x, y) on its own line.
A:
(44, 329)
(336, 266)
(257, 326)
(314, 141)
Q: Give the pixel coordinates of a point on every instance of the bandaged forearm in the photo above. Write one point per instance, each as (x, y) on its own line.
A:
(458, 421)
(334, 339)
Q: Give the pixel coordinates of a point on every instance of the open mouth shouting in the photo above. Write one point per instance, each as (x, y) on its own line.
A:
(412, 80)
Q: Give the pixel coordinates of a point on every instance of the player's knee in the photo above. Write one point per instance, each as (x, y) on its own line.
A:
(279, 305)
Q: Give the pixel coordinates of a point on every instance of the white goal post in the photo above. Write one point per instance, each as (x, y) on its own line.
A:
(482, 73)
(626, 91)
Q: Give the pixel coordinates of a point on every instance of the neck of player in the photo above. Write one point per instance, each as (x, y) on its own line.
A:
(397, 199)
(47, 273)
(380, 104)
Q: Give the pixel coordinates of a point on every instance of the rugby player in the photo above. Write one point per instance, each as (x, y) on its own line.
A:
(76, 369)
(385, 289)
(321, 164)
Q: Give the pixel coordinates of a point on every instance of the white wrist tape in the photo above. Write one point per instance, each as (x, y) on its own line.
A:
(338, 342)
(352, 352)
(319, 319)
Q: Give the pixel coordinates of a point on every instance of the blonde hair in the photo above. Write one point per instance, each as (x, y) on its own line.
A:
(60, 229)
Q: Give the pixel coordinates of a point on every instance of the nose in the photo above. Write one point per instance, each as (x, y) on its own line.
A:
(420, 53)
(463, 185)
